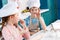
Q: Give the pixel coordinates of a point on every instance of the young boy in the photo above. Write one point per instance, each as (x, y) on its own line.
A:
(35, 17)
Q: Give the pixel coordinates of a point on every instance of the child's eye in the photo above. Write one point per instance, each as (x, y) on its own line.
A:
(32, 10)
(35, 9)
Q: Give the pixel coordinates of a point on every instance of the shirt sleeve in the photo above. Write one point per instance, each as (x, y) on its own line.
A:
(6, 35)
(27, 21)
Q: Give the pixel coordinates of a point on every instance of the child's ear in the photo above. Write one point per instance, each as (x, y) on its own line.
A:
(30, 10)
(39, 9)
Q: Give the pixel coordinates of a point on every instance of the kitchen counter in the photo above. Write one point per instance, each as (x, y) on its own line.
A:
(38, 35)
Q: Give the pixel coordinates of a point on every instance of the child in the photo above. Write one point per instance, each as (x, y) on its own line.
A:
(35, 17)
(10, 17)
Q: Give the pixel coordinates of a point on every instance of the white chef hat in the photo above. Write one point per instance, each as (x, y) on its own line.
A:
(8, 9)
(22, 4)
(33, 3)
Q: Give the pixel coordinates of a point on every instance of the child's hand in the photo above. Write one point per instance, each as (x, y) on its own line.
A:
(26, 34)
(22, 21)
(26, 29)
(38, 15)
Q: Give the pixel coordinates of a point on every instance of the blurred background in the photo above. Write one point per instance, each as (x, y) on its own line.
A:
(50, 16)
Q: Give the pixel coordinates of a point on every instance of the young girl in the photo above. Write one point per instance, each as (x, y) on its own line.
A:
(11, 30)
(35, 17)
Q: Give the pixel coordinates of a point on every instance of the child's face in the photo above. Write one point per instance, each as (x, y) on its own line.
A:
(15, 18)
(34, 11)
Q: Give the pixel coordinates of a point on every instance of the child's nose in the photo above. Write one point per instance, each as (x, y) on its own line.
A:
(34, 11)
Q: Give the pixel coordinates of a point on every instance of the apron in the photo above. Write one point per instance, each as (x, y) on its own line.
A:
(34, 24)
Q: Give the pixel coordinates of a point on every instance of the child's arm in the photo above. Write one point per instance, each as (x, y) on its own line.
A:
(41, 20)
(26, 34)
(42, 23)
(23, 23)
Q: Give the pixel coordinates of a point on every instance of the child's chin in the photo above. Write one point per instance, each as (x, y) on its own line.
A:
(35, 16)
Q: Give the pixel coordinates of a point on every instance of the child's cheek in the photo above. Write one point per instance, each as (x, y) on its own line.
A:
(35, 15)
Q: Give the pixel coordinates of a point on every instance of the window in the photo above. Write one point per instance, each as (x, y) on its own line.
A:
(0, 4)
(44, 4)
